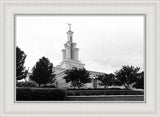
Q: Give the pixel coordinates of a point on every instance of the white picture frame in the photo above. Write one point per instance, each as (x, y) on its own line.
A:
(149, 8)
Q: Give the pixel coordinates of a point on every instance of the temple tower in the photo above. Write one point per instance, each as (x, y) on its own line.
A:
(70, 53)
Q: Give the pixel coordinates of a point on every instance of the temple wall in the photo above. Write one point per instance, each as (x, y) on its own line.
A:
(76, 54)
(61, 82)
(64, 54)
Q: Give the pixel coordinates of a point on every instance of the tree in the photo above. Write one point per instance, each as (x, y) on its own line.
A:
(21, 73)
(140, 81)
(42, 72)
(127, 75)
(105, 79)
(77, 77)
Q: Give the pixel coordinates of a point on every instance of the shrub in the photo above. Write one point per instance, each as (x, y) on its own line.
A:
(49, 86)
(26, 84)
(39, 94)
(23, 93)
(100, 89)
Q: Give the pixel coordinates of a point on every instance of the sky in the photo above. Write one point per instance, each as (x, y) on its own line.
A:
(105, 42)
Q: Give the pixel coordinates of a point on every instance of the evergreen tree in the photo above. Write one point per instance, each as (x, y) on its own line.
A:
(42, 72)
(21, 73)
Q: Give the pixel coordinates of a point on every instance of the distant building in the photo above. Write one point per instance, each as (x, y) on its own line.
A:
(70, 60)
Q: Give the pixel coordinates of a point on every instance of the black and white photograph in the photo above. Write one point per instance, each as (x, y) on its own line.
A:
(95, 58)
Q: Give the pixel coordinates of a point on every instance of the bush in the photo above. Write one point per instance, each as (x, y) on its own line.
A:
(39, 94)
(49, 86)
(26, 84)
(100, 89)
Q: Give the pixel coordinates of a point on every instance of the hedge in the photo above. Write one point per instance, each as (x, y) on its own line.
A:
(103, 92)
(100, 89)
(26, 84)
(39, 94)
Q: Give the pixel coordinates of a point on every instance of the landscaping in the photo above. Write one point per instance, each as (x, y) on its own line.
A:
(40, 94)
(55, 94)
(103, 92)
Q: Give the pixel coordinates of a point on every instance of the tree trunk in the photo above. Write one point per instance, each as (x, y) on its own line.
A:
(78, 87)
(39, 85)
(126, 86)
(79, 90)
(79, 83)
(105, 89)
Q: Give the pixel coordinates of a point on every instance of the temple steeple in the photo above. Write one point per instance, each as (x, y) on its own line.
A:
(69, 33)
(69, 36)
(70, 52)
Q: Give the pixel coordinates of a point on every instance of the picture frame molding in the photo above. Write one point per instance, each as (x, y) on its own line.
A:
(150, 8)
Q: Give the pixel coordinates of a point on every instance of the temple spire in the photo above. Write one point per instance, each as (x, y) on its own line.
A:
(69, 33)
(70, 52)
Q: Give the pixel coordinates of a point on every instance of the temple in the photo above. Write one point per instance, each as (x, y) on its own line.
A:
(70, 59)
